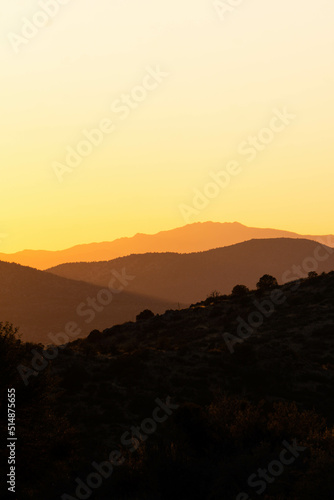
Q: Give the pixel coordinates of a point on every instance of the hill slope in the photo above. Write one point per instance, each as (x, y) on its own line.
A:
(195, 237)
(186, 278)
(232, 411)
(39, 302)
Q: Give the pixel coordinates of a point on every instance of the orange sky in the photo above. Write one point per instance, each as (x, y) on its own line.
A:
(180, 95)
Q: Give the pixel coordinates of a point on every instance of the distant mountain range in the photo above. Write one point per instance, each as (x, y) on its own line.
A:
(88, 293)
(197, 237)
(187, 278)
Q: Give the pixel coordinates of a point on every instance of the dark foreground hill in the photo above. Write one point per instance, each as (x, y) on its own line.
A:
(231, 398)
(196, 237)
(187, 278)
(41, 303)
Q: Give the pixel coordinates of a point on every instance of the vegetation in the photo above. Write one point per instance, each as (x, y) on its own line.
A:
(145, 315)
(267, 282)
(210, 452)
(44, 435)
(240, 291)
(235, 410)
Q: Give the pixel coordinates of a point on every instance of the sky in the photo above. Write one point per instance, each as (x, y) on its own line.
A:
(205, 110)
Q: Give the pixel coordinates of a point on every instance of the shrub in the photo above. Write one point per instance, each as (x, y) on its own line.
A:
(95, 336)
(240, 291)
(144, 315)
(266, 282)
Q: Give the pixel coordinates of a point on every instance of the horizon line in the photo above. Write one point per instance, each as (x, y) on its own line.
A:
(155, 234)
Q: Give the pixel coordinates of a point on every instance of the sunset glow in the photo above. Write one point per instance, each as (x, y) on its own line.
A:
(181, 92)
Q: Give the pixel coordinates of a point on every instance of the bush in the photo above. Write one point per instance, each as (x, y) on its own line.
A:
(214, 295)
(145, 315)
(266, 282)
(240, 291)
(95, 336)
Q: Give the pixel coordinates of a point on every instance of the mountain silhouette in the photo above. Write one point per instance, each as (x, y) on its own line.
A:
(39, 303)
(187, 278)
(196, 237)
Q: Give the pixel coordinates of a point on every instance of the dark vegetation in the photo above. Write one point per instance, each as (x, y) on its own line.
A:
(144, 315)
(235, 410)
(266, 282)
(240, 290)
(47, 447)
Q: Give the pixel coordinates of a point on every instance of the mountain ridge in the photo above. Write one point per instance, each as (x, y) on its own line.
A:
(199, 236)
(188, 277)
(39, 303)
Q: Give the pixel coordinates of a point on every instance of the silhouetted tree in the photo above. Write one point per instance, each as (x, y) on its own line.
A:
(95, 336)
(144, 315)
(312, 274)
(240, 290)
(266, 282)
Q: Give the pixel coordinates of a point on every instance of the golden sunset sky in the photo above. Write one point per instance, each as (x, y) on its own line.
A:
(228, 77)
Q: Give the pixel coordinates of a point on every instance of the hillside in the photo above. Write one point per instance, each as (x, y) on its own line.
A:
(289, 354)
(39, 302)
(187, 278)
(196, 237)
(232, 409)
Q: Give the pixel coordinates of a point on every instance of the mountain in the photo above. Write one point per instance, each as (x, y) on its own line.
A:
(39, 302)
(186, 278)
(196, 237)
